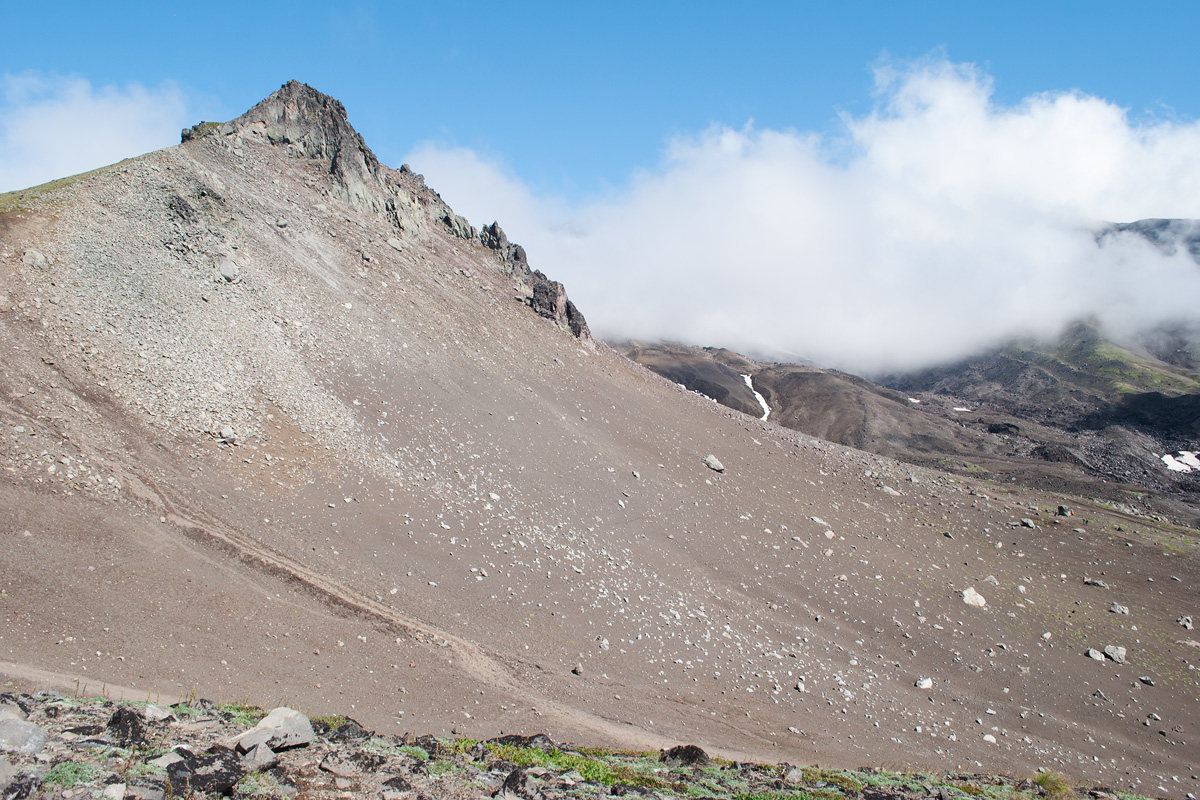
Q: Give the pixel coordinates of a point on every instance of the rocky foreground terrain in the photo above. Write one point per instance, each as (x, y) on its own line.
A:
(278, 427)
(62, 746)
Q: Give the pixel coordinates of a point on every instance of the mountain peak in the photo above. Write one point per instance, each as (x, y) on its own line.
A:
(310, 124)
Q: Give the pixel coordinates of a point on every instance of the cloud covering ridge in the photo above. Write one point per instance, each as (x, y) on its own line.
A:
(936, 225)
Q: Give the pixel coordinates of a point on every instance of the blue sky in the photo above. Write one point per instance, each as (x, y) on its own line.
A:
(796, 145)
(574, 95)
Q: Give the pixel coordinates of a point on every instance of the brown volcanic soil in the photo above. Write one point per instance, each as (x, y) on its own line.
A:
(441, 503)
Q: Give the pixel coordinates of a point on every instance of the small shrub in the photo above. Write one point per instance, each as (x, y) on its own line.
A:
(1055, 785)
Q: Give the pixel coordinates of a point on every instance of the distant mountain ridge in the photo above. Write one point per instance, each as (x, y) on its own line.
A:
(1082, 413)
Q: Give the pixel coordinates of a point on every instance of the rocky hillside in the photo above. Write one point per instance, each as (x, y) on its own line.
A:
(275, 422)
(1083, 416)
(55, 743)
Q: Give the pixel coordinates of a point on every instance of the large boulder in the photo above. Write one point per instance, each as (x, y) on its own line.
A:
(282, 728)
(214, 772)
(19, 736)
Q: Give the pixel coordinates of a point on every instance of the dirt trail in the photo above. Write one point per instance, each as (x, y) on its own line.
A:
(77, 685)
(483, 666)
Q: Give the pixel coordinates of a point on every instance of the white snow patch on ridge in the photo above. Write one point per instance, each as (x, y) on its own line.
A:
(766, 408)
(1186, 461)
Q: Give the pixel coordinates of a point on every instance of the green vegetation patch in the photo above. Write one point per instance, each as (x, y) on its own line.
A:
(605, 770)
(23, 199)
(413, 751)
(71, 773)
(243, 713)
(258, 784)
(333, 721)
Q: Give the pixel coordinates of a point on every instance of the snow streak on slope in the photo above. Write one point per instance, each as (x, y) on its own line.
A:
(750, 385)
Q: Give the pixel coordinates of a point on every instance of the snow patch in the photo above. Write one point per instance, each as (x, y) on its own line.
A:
(766, 408)
(1185, 461)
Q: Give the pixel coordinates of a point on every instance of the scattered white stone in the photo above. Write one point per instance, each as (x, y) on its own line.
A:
(1117, 654)
(34, 259)
(712, 463)
(1094, 654)
(164, 761)
(924, 683)
(229, 270)
(973, 598)
(154, 713)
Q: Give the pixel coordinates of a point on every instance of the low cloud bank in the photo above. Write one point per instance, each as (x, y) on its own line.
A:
(52, 126)
(937, 225)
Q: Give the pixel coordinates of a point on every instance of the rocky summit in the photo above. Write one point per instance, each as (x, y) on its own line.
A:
(279, 428)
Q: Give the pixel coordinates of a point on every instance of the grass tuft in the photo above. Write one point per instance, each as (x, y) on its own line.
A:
(1055, 785)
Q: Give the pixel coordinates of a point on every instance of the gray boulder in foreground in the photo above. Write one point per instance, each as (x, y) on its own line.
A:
(19, 736)
(282, 728)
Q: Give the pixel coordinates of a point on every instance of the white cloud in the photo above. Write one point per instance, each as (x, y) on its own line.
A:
(934, 226)
(52, 126)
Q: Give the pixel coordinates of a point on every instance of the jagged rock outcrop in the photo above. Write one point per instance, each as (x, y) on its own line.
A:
(314, 125)
(512, 255)
(549, 299)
